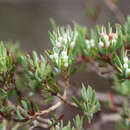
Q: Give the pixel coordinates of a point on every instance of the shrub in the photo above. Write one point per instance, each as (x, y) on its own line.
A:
(34, 74)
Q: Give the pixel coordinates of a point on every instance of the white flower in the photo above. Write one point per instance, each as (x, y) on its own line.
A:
(102, 34)
(107, 43)
(88, 46)
(106, 37)
(113, 40)
(127, 70)
(92, 42)
(101, 43)
(60, 39)
(51, 56)
(126, 59)
(87, 42)
(72, 44)
(66, 64)
(58, 44)
(65, 58)
(125, 65)
(57, 60)
(31, 94)
(64, 55)
(115, 35)
(55, 55)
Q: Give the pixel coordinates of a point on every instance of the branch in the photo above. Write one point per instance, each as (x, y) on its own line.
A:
(71, 104)
(54, 107)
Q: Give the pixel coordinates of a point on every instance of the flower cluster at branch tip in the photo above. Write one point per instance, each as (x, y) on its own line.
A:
(90, 43)
(63, 40)
(104, 40)
(60, 58)
(107, 40)
(65, 36)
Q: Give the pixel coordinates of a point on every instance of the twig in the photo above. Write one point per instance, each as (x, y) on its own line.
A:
(52, 108)
(66, 87)
(71, 104)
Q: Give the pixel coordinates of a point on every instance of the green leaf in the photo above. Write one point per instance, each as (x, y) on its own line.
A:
(90, 105)
(76, 101)
(24, 104)
(78, 122)
(36, 107)
(19, 114)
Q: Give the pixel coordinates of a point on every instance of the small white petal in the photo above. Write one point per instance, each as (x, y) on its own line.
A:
(60, 39)
(102, 34)
(92, 42)
(115, 35)
(55, 55)
(88, 46)
(64, 53)
(87, 41)
(65, 38)
(126, 59)
(105, 36)
(72, 44)
(107, 43)
(58, 44)
(57, 60)
(51, 56)
(101, 43)
(66, 64)
(114, 41)
(125, 65)
(127, 70)
(65, 58)
(31, 94)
